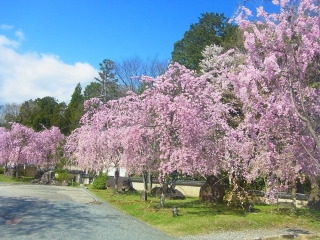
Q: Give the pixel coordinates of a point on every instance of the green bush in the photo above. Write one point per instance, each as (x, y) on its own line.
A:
(100, 181)
(63, 176)
(21, 173)
(1, 170)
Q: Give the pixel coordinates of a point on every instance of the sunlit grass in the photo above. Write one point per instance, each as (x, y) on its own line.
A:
(199, 218)
(8, 179)
(14, 179)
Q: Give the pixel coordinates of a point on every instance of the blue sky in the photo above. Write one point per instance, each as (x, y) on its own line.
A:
(48, 46)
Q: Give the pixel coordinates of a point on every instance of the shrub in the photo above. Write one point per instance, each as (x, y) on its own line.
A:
(1, 170)
(63, 176)
(21, 173)
(100, 181)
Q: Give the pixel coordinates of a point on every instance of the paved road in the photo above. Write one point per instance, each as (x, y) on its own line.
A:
(52, 212)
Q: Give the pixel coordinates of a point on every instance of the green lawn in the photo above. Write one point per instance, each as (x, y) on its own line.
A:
(13, 179)
(199, 218)
(7, 179)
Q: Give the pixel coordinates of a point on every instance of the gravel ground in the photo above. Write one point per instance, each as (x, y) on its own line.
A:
(51, 212)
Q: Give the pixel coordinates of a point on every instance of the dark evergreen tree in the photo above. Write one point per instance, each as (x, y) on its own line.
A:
(108, 82)
(92, 90)
(212, 28)
(2, 119)
(44, 113)
(60, 118)
(75, 108)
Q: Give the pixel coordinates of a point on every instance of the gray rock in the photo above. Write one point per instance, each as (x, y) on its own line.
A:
(170, 194)
(35, 181)
(314, 199)
(124, 184)
(45, 179)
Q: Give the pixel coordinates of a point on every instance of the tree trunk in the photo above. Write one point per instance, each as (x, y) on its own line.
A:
(144, 193)
(162, 199)
(305, 119)
(116, 178)
(149, 181)
(17, 172)
(145, 180)
(130, 182)
(164, 191)
(5, 169)
(294, 196)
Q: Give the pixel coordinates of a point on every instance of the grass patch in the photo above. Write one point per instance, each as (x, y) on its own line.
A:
(21, 179)
(8, 179)
(25, 179)
(74, 184)
(199, 218)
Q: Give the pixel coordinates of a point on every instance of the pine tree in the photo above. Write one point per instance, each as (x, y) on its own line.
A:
(109, 89)
(75, 108)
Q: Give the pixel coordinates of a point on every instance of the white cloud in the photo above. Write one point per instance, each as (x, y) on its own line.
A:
(30, 75)
(20, 35)
(6, 27)
(5, 42)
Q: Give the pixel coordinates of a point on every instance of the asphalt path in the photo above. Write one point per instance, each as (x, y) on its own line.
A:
(55, 212)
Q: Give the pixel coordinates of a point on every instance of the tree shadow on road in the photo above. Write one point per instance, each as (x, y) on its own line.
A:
(28, 216)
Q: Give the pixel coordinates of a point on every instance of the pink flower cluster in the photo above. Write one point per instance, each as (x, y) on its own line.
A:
(180, 122)
(22, 145)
